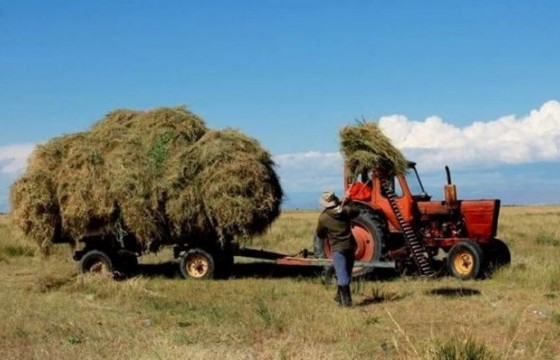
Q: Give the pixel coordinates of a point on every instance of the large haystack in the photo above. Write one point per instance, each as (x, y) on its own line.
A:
(158, 175)
(230, 183)
(365, 147)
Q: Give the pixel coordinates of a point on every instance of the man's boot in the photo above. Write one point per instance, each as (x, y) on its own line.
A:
(338, 296)
(346, 296)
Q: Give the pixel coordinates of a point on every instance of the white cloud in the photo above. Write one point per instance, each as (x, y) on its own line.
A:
(13, 158)
(507, 140)
(309, 170)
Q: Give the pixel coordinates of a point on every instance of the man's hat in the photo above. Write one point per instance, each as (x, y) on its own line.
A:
(328, 199)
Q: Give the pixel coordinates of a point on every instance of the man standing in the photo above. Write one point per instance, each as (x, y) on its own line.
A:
(335, 225)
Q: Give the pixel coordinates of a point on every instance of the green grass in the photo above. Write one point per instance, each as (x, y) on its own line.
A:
(456, 349)
(262, 312)
(547, 239)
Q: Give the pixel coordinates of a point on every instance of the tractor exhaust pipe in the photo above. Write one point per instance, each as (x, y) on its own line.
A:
(450, 192)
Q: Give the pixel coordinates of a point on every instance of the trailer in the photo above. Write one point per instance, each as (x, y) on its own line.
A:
(207, 262)
(197, 263)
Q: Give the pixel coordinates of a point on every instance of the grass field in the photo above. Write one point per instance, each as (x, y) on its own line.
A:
(265, 312)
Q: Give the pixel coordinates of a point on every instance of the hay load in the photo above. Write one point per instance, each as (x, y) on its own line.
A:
(160, 176)
(365, 147)
(231, 185)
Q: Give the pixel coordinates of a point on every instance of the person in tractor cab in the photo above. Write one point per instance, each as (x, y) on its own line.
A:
(361, 187)
(334, 224)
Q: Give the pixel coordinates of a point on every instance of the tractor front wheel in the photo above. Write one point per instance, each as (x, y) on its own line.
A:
(497, 254)
(465, 260)
(197, 264)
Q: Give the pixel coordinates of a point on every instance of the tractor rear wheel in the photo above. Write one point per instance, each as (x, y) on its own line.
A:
(367, 230)
(197, 264)
(465, 260)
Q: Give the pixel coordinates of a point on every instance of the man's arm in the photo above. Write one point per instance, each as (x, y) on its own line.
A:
(321, 230)
(351, 209)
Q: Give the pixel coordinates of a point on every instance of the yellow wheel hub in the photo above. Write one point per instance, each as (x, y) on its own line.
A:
(99, 267)
(197, 266)
(463, 262)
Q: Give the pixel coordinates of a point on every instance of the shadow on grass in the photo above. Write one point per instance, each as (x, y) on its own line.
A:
(378, 297)
(454, 292)
(170, 270)
(273, 271)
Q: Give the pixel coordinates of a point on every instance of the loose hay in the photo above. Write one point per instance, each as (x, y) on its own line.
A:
(49, 156)
(231, 185)
(365, 147)
(160, 176)
(35, 208)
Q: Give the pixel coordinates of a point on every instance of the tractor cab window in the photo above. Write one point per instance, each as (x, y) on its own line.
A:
(365, 176)
(395, 186)
(414, 183)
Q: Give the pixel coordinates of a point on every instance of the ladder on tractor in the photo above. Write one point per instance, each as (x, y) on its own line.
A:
(416, 247)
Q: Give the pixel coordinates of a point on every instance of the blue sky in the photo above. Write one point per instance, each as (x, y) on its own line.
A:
(471, 84)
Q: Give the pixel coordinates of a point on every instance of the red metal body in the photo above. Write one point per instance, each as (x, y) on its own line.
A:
(480, 218)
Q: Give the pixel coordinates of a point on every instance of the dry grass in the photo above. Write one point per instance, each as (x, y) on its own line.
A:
(264, 312)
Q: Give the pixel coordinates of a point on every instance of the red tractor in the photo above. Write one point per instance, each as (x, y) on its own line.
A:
(399, 222)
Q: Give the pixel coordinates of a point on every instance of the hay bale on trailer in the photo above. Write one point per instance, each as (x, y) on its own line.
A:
(223, 185)
(137, 147)
(159, 176)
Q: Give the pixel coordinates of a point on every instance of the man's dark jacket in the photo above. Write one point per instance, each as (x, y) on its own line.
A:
(335, 223)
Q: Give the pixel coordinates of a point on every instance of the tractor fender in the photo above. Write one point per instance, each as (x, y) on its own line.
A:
(373, 211)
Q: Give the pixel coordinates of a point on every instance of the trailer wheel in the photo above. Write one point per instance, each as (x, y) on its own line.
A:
(197, 264)
(96, 261)
(465, 260)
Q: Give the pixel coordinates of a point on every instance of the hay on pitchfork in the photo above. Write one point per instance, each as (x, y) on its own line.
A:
(365, 147)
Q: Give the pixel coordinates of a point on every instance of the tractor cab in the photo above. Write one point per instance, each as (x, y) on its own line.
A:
(367, 188)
